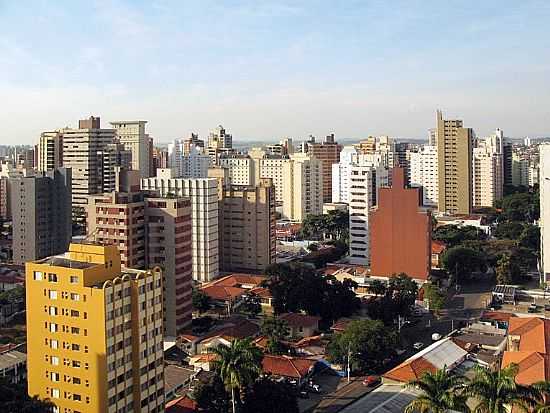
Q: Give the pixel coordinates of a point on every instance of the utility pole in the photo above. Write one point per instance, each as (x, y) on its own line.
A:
(349, 355)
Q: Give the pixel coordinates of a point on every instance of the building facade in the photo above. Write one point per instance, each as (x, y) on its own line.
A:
(94, 332)
(364, 183)
(241, 170)
(544, 223)
(400, 232)
(454, 152)
(41, 214)
(50, 151)
(488, 171)
(247, 227)
(328, 153)
(149, 232)
(302, 187)
(80, 153)
(423, 173)
(131, 133)
(203, 194)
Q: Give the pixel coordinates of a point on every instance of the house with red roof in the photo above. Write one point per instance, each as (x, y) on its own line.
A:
(294, 368)
(529, 349)
(301, 325)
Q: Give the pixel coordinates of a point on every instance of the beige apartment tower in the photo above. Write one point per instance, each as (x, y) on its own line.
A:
(454, 154)
(50, 151)
(302, 187)
(247, 227)
(131, 133)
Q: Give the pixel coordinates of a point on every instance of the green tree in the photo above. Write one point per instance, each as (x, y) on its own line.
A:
(540, 402)
(507, 271)
(212, 396)
(268, 396)
(251, 305)
(297, 287)
(14, 399)
(441, 391)
(453, 235)
(378, 287)
(403, 290)
(435, 296)
(276, 330)
(463, 261)
(201, 301)
(530, 238)
(238, 365)
(495, 390)
(508, 230)
(368, 342)
(522, 207)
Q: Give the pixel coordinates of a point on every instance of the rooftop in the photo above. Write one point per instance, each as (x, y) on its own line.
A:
(287, 366)
(176, 375)
(532, 366)
(64, 261)
(533, 332)
(443, 353)
(11, 358)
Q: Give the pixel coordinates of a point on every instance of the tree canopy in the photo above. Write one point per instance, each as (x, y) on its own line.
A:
(463, 261)
(201, 301)
(369, 342)
(453, 235)
(297, 287)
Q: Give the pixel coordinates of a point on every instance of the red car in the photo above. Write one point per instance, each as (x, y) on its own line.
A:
(371, 381)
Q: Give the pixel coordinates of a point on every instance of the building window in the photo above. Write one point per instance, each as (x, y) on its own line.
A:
(37, 275)
(74, 279)
(52, 278)
(53, 344)
(55, 393)
(53, 310)
(75, 297)
(53, 327)
(54, 376)
(53, 295)
(54, 361)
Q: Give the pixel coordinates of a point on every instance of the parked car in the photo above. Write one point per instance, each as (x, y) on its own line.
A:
(547, 307)
(532, 308)
(418, 346)
(436, 336)
(371, 380)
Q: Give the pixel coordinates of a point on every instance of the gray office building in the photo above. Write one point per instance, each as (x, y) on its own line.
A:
(41, 214)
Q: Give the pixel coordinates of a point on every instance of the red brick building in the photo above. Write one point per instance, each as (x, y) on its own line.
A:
(400, 231)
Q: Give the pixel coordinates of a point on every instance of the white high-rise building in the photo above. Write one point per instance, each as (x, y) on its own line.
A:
(488, 170)
(195, 163)
(175, 156)
(364, 183)
(423, 173)
(240, 168)
(203, 193)
(544, 153)
(131, 134)
(302, 187)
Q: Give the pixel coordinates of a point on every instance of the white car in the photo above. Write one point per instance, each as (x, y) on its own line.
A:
(418, 346)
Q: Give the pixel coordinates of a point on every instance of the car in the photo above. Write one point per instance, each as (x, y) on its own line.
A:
(436, 336)
(371, 380)
(532, 308)
(418, 346)
(547, 307)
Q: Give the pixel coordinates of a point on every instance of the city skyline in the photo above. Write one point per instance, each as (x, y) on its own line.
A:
(268, 70)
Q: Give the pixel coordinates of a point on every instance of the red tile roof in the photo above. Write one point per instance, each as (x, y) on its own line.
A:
(222, 293)
(340, 325)
(411, 370)
(237, 279)
(532, 366)
(438, 246)
(261, 292)
(300, 320)
(182, 405)
(497, 316)
(534, 333)
(286, 366)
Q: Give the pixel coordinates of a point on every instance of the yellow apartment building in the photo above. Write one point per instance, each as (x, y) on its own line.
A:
(94, 332)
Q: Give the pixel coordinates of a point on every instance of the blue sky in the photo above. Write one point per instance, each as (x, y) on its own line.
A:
(276, 68)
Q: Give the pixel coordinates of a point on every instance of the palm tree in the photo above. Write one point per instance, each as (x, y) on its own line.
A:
(441, 391)
(540, 402)
(238, 365)
(495, 390)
